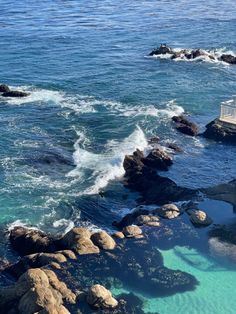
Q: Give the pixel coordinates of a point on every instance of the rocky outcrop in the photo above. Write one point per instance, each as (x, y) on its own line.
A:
(228, 58)
(158, 159)
(15, 93)
(4, 88)
(191, 54)
(183, 125)
(27, 241)
(103, 240)
(79, 240)
(162, 50)
(100, 298)
(200, 218)
(38, 291)
(154, 188)
(221, 131)
(38, 260)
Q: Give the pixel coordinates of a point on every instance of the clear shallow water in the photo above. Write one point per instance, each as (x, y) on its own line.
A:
(95, 97)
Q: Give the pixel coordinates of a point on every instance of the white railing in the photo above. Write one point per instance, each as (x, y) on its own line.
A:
(228, 111)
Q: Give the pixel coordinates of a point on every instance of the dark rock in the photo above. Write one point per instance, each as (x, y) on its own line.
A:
(228, 58)
(15, 94)
(154, 140)
(185, 126)
(221, 131)
(4, 88)
(163, 49)
(158, 159)
(27, 241)
(175, 147)
(154, 188)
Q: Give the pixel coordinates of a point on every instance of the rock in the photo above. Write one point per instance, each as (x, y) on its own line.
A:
(200, 218)
(228, 58)
(221, 131)
(169, 211)
(153, 188)
(15, 94)
(158, 159)
(79, 240)
(163, 49)
(132, 231)
(4, 88)
(67, 253)
(103, 240)
(38, 291)
(185, 126)
(101, 298)
(60, 286)
(154, 140)
(175, 147)
(38, 298)
(27, 241)
(119, 235)
(148, 220)
(221, 249)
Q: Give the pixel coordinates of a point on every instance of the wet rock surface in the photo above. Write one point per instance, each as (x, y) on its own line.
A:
(200, 218)
(191, 54)
(221, 131)
(169, 211)
(154, 188)
(183, 125)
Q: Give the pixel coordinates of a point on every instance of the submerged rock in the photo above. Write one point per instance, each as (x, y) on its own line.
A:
(221, 249)
(183, 125)
(101, 298)
(200, 218)
(221, 131)
(14, 93)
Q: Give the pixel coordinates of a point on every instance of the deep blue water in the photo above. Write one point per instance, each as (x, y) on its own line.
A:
(96, 96)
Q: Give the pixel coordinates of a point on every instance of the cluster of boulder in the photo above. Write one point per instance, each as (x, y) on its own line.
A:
(141, 175)
(191, 54)
(5, 91)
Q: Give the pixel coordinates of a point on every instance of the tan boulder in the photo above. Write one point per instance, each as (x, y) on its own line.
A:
(103, 240)
(101, 298)
(199, 217)
(119, 235)
(132, 231)
(169, 211)
(79, 240)
(60, 286)
(148, 220)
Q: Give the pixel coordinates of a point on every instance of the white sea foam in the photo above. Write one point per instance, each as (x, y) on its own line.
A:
(211, 55)
(66, 224)
(109, 165)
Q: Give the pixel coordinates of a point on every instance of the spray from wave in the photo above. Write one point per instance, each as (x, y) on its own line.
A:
(108, 166)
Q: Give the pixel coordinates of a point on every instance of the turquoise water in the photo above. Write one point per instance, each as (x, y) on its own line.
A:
(96, 96)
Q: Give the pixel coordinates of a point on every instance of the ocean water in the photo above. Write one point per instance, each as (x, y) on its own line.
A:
(97, 96)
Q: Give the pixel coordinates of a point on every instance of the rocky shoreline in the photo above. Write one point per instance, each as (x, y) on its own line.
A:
(74, 272)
